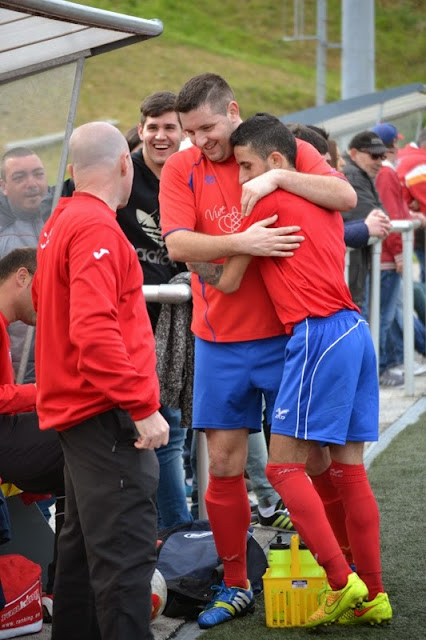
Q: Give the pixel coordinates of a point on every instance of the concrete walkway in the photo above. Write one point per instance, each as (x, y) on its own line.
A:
(396, 411)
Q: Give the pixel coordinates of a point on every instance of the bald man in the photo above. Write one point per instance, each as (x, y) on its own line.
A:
(100, 392)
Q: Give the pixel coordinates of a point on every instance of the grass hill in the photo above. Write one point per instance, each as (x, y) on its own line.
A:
(242, 40)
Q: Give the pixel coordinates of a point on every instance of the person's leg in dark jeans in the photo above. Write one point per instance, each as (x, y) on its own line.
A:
(171, 496)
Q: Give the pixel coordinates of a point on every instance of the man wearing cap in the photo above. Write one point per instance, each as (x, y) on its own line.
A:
(366, 152)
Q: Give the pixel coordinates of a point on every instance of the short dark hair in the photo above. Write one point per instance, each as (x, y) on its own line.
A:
(265, 134)
(306, 133)
(132, 137)
(319, 130)
(17, 152)
(23, 257)
(207, 88)
(156, 104)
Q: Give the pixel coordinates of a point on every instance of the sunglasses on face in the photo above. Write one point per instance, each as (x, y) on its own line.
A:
(375, 156)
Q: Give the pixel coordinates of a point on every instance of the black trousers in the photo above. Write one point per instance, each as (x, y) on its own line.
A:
(107, 546)
(33, 461)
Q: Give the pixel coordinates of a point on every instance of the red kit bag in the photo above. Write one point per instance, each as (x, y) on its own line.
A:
(21, 584)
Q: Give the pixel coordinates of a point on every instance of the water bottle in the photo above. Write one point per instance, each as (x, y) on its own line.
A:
(279, 559)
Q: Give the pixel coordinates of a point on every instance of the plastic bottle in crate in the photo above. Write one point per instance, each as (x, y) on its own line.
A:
(279, 558)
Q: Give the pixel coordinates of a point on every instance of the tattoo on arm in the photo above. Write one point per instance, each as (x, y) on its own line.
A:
(209, 271)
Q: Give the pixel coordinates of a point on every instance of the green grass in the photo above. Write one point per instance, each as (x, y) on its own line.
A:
(398, 477)
(243, 42)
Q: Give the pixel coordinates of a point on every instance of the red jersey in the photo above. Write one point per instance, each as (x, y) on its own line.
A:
(94, 342)
(14, 398)
(311, 283)
(199, 195)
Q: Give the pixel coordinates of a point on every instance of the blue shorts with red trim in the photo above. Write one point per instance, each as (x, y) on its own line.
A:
(232, 378)
(329, 392)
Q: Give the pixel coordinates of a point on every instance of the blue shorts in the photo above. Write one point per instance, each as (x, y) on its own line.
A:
(232, 378)
(329, 391)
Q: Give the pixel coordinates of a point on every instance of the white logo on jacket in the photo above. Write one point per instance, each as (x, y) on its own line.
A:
(98, 254)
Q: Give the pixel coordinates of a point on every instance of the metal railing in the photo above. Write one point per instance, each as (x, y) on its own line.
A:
(406, 229)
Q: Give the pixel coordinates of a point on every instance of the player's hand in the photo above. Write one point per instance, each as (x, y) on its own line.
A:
(153, 432)
(257, 188)
(378, 223)
(262, 240)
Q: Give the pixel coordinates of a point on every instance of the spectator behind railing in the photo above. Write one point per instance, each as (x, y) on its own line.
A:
(160, 134)
(391, 194)
(363, 161)
(411, 170)
(23, 185)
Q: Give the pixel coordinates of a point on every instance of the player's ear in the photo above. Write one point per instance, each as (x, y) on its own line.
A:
(233, 111)
(276, 160)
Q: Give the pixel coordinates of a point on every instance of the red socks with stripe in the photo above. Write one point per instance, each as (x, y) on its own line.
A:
(362, 522)
(308, 516)
(229, 514)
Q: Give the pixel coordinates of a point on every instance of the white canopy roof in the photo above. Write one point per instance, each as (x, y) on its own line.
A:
(39, 34)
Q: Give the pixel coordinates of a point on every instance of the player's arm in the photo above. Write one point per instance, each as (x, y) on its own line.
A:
(313, 180)
(258, 240)
(226, 277)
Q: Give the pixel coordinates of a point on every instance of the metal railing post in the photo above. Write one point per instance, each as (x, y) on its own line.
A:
(374, 302)
(202, 472)
(408, 310)
(175, 294)
(406, 229)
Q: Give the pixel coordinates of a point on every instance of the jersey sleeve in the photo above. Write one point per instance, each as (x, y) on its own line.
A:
(177, 203)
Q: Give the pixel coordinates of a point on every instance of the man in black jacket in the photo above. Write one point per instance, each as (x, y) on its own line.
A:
(363, 163)
(161, 135)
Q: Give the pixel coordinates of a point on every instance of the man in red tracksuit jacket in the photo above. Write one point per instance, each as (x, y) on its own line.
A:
(411, 170)
(97, 386)
(29, 458)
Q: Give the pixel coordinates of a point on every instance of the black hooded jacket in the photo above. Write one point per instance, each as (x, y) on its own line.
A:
(140, 221)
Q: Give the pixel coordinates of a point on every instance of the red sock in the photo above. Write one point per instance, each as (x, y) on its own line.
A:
(229, 514)
(334, 509)
(362, 522)
(308, 516)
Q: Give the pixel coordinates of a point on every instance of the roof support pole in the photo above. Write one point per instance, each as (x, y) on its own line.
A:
(68, 129)
(358, 51)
